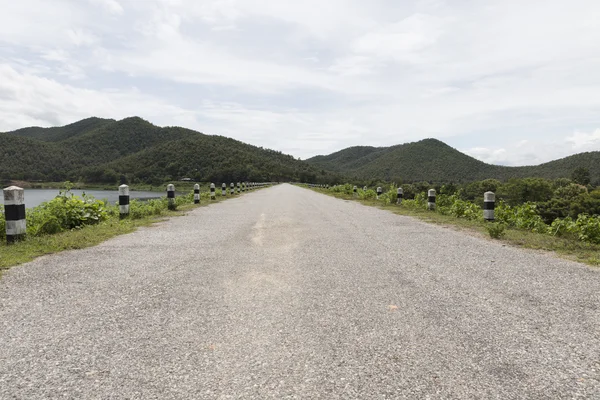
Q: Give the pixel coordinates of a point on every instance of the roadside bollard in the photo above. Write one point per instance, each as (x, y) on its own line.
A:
(224, 190)
(196, 194)
(379, 191)
(489, 204)
(355, 191)
(171, 196)
(400, 195)
(14, 213)
(243, 187)
(365, 188)
(238, 188)
(431, 199)
(232, 191)
(212, 191)
(123, 201)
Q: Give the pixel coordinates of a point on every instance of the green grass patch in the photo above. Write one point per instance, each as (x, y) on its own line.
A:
(565, 247)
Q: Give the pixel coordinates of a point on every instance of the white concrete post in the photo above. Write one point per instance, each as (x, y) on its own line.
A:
(14, 213)
(171, 196)
(224, 190)
(365, 188)
(431, 199)
(238, 188)
(212, 191)
(232, 191)
(379, 191)
(400, 195)
(123, 201)
(355, 191)
(489, 204)
(196, 194)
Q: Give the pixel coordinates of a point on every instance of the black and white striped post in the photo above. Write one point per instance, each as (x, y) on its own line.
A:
(239, 188)
(365, 188)
(400, 195)
(224, 190)
(243, 187)
(14, 213)
(431, 199)
(379, 191)
(489, 204)
(232, 191)
(355, 191)
(212, 191)
(123, 201)
(196, 194)
(171, 196)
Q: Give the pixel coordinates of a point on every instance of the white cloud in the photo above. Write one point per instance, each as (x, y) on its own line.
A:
(537, 151)
(312, 77)
(112, 6)
(583, 140)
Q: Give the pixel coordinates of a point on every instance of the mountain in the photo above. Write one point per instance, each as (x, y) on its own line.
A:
(433, 160)
(103, 150)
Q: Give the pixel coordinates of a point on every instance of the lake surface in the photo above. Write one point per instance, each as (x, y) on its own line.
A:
(35, 197)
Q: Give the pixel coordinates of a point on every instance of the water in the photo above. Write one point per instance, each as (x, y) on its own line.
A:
(35, 197)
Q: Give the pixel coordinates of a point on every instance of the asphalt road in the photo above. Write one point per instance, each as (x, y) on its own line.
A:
(286, 293)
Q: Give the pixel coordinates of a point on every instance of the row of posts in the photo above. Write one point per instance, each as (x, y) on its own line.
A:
(14, 204)
(489, 200)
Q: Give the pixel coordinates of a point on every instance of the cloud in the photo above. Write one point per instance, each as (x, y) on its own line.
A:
(112, 6)
(583, 140)
(537, 151)
(28, 100)
(312, 77)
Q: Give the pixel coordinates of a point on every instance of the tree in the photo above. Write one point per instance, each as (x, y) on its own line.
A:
(581, 175)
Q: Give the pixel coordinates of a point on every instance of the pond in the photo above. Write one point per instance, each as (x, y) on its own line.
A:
(35, 197)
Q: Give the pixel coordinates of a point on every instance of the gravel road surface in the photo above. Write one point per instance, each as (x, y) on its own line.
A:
(285, 293)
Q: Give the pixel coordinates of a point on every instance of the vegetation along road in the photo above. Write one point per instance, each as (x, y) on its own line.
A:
(288, 293)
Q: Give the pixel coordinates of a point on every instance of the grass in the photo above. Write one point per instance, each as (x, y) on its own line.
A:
(571, 249)
(91, 235)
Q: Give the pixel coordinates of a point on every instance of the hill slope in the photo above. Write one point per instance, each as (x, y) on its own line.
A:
(97, 150)
(59, 133)
(433, 160)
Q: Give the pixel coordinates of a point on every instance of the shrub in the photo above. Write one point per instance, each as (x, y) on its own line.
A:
(368, 194)
(66, 211)
(495, 229)
(588, 228)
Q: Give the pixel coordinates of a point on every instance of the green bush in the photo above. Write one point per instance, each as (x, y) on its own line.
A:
(524, 216)
(66, 211)
(587, 228)
(465, 209)
(562, 227)
(495, 229)
(368, 194)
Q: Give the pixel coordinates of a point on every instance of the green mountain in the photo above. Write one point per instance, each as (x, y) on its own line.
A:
(433, 160)
(103, 150)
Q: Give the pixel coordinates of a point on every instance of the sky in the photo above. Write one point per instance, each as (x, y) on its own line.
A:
(508, 82)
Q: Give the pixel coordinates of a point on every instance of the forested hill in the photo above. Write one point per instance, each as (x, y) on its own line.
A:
(102, 150)
(433, 160)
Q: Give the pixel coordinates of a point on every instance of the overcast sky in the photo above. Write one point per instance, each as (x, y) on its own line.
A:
(509, 82)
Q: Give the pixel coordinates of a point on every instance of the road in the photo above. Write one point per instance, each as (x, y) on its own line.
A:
(285, 293)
